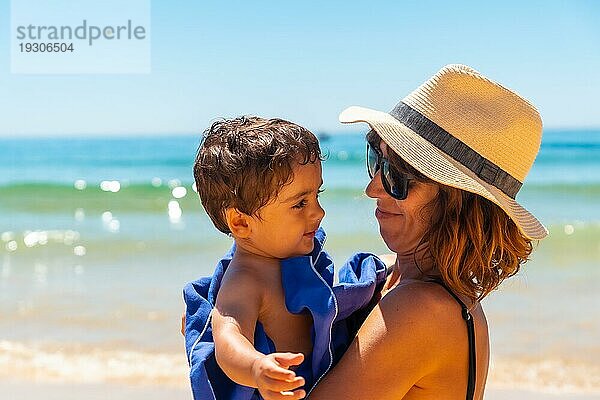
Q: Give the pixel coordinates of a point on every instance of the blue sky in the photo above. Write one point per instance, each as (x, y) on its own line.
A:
(306, 61)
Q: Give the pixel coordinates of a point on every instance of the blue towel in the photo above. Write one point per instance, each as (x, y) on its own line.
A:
(308, 286)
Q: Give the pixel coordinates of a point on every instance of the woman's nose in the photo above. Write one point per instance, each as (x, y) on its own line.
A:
(375, 188)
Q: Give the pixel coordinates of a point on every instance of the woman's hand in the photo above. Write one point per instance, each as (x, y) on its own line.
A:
(275, 380)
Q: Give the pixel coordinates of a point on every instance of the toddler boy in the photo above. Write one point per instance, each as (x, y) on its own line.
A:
(271, 305)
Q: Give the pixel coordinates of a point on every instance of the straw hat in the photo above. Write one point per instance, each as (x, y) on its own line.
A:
(461, 129)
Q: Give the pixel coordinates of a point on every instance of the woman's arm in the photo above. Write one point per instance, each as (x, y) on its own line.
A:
(394, 349)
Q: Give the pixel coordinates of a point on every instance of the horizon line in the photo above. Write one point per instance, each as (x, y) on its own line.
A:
(317, 132)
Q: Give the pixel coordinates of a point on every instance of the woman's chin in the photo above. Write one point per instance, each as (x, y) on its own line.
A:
(388, 239)
(399, 247)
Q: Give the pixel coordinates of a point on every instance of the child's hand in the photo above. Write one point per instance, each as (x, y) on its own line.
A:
(273, 378)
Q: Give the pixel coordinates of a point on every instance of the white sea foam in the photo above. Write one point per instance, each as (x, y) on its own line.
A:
(81, 364)
(85, 365)
(553, 375)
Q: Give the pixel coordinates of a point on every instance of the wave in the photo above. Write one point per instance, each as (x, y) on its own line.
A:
(59, 197)
(33, 197)
(548, 375)
(157, 186)
(91, 186)
(78, 364)
(569, 188)
(587, 146)
(82, 199)
(75, 363)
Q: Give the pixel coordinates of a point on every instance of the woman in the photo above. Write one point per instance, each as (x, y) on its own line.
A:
(445, 166)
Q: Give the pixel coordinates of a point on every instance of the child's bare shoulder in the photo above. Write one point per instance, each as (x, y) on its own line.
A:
(242, 283)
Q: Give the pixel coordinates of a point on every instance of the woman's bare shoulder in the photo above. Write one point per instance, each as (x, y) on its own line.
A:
(401, 343)
(416, 296)
(427, 311)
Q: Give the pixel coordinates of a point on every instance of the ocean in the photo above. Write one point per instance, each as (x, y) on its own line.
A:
(99, 235)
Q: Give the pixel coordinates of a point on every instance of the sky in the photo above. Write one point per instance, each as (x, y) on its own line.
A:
(306, 61)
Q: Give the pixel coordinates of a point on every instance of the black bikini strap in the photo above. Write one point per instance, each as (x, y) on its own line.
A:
(466, 314)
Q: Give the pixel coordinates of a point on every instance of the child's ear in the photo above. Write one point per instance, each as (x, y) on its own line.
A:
(239, 223)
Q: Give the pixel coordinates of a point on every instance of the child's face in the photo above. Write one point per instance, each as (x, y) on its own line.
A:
(288, 224)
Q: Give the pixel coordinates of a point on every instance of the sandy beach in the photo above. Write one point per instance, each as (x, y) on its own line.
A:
(25, 391)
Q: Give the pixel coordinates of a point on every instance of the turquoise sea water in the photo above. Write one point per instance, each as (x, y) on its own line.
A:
(98, 235)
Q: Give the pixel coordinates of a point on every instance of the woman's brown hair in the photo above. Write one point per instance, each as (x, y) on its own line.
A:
(474, 243)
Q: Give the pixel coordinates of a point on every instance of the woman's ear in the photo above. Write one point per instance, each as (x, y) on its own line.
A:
(239, 223)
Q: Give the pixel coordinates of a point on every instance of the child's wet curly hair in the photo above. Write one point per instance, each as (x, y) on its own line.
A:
(244, 162)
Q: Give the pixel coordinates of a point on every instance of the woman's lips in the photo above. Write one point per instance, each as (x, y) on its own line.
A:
(380, 214)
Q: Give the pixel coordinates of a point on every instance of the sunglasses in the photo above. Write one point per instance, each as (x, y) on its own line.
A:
(394, 182)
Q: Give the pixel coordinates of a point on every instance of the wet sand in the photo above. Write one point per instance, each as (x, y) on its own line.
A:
(26, 391)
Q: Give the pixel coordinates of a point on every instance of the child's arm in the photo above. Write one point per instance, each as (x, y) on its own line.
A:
(233, 321)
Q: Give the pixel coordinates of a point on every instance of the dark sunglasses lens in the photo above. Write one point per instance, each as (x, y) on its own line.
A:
(394, 182)
(372, 161)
